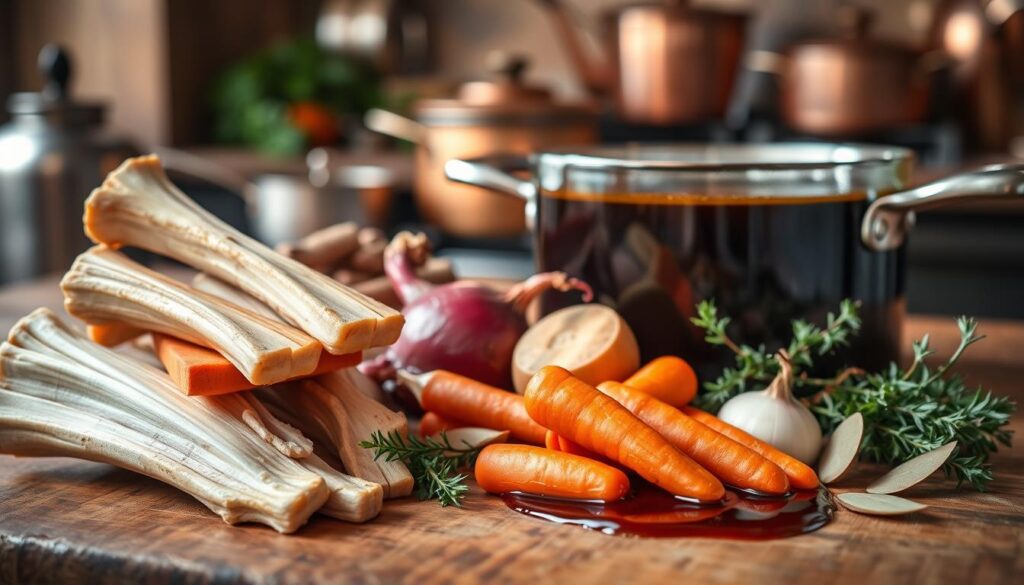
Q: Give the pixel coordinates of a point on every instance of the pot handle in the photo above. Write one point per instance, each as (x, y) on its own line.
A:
(888, 219)
(493, 172)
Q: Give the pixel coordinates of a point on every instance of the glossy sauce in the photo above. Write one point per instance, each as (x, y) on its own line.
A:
(765, 260)
(652, 512)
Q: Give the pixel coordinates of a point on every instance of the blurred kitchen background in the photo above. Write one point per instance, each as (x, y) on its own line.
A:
(261, 108)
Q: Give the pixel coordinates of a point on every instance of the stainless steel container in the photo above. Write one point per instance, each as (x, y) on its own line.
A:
(52, 154)
(770, 232)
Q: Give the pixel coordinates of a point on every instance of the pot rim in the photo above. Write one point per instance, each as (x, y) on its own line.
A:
(699, 157)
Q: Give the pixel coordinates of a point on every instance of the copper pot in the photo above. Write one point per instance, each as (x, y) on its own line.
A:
(851, 85)
(666, 63)
(504, 115)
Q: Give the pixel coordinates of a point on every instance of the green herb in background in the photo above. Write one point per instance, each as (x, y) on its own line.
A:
(434, 464)
(906, 412)
(254, 102)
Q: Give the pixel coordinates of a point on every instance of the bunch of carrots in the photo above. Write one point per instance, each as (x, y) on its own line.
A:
(580, 441)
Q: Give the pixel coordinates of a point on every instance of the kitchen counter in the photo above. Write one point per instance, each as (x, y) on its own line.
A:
(68, 521)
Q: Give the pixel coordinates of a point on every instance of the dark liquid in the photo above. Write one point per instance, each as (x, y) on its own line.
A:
(765, 262)
(653, 512)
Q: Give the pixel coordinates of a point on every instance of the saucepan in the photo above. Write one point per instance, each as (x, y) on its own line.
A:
(772, 233)
(283, 207)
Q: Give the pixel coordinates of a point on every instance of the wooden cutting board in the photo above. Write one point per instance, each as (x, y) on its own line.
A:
(66, 521)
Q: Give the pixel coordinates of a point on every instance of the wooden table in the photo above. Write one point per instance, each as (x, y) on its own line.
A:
(66, 521)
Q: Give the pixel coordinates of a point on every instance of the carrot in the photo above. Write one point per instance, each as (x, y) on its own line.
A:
(551, 441)
(432, 423)
(579, 412)
(567, 446)
(668, 378)
(800, 475)
(731, 462)
(534, 470)
(201, 371)
(473, 403)
(112, 334)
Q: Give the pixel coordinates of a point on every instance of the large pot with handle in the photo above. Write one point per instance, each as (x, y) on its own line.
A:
(663, 63)
(772, 233)
(503, 114)
(852, 85)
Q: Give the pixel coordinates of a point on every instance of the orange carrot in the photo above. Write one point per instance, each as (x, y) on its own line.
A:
(432, 423)
(579, 412)
(558, 443)
(731, 462)
(473, 403)
(567, 446)
(800, 475)
(112, 334)
(551, 441)
(201, 371)
(668, 378)
(522, 468)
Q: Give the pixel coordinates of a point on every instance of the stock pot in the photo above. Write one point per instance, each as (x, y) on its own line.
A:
(502, 114)
(771, 233)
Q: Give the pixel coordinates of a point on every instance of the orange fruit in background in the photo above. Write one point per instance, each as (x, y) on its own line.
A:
(318, 123)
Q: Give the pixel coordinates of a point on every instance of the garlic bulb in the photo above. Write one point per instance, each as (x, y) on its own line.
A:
(775, 416)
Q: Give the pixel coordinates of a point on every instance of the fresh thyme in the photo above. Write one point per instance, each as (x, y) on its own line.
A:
(755, 366)
(910, 412)
(435, 464)
(906, 412)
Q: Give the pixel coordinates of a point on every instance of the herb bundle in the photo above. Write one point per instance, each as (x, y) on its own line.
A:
(906, 412)
(435, 464)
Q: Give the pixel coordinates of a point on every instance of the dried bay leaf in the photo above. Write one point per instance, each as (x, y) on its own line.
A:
(842, 449)
(912, 472)
(879, 504)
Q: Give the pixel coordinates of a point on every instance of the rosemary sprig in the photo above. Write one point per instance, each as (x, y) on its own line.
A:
(755, 366)
(434, 464)
(906, 412)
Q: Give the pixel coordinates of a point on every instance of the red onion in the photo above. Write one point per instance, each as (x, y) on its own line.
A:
(463, 327)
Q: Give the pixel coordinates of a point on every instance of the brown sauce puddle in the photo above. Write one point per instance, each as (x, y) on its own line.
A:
(651, 512)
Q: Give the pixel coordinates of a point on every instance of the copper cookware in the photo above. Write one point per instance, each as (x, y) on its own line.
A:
(985, 44)
(504, 115)
(851, 85)
(665, 63)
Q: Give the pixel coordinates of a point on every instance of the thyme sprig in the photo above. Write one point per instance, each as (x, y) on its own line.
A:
(435, 464)
(755, 366)
(906, 412)
(913, 411)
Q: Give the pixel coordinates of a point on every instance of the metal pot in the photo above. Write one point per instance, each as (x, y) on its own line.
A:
(53, 152)
(503, 115)
(665, 63)
(283, 207)
(852, 85)
(770, 232)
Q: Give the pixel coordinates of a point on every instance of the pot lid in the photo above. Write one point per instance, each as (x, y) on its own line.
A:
(855, 28)
(722, 157)
(54, 101)
(674, 9)
(504, 97)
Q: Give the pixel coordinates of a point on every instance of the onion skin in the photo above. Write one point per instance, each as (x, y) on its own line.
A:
(463, 327)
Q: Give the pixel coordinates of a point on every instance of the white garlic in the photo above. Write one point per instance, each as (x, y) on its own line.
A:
(776, 417)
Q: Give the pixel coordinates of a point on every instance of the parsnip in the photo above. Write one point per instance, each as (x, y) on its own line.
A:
(105, 286)
(223, 290)
(62, 395)
(137, 205)
(324, 415)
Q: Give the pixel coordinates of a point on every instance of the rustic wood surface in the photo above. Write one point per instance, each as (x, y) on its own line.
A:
(66, 521)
